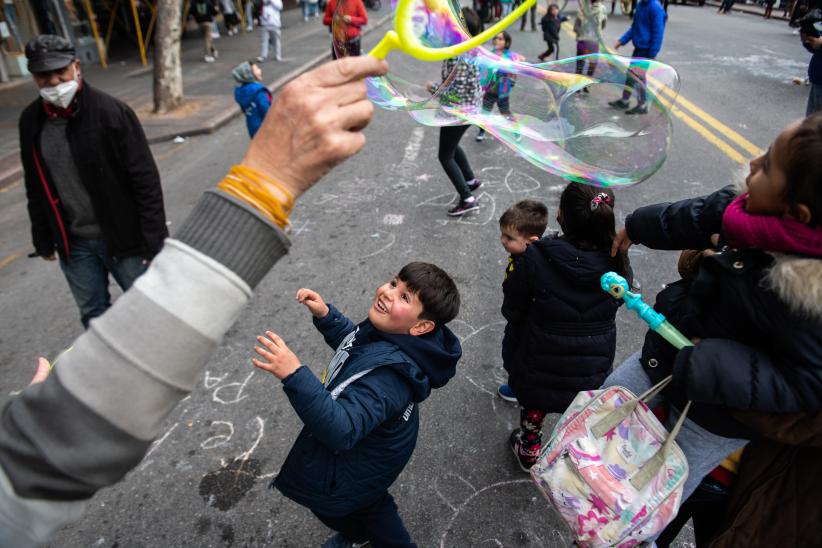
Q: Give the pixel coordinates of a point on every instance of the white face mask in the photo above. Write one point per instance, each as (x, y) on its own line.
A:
(61, 94)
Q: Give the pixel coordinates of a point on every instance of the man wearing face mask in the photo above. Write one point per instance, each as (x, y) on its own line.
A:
(93, 189)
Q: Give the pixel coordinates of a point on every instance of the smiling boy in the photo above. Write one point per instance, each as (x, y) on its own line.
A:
(361, 418)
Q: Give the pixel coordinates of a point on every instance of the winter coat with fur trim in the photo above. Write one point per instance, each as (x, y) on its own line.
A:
(759, 316)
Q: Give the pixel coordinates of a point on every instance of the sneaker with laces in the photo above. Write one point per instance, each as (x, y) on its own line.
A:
(505, 392)
(474, 184)
(619, 103)
(639, 109)
(208, 58)
(526, 458)
(463, 207)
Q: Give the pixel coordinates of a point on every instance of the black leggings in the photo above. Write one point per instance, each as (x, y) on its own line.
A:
(453, 159)
(551, 47)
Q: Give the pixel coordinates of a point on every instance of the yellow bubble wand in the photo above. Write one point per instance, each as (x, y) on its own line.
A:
(403, 38)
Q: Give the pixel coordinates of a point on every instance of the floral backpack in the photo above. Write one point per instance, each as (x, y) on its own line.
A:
(611, 469)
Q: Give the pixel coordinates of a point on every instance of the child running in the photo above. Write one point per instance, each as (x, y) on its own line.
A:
(500, 83)
(521, 225)
(361, 417)
(754, 307)
(551, 24)
(563, 323)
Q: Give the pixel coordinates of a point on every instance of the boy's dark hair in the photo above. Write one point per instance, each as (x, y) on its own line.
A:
(588, 220)
(803, 167)
(553, 6)
(473, 23)
(508, 39)
(435, 289)
(527, 217)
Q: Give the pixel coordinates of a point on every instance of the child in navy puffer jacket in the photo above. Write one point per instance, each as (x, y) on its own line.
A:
(361, 417)
(563, 323)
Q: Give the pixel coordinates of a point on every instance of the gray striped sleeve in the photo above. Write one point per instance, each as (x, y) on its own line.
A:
(93, 419)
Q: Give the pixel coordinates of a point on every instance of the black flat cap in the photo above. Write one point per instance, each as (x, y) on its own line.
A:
(49, 52)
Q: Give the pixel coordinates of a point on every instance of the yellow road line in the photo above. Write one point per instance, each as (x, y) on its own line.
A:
(727, 132)
(703, 131)
(6, 261)
(11, 186)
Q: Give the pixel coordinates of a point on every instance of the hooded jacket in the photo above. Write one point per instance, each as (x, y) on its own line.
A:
(270, 15)
(564, 323)
(254, 100)
(647, 27)
(116, 167)
(759, 316)
(588, 26)
(361, 424)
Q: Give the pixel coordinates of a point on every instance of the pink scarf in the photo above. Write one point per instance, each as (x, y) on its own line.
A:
(743, 230)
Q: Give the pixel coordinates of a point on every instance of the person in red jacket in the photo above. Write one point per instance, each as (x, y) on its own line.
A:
(345, 27)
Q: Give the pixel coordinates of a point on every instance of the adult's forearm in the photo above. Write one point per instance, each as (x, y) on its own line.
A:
(64, 439)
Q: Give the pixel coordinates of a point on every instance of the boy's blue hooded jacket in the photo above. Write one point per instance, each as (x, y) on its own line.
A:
(647, 28)
(361, 427)
(255, 99)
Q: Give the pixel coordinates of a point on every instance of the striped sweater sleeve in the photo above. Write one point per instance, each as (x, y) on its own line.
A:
(95, 416)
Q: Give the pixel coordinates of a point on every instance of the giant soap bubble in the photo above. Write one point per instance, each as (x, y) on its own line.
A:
(559, 120)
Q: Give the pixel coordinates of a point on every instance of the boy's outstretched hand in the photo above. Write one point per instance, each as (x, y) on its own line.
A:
(313, 302)
(277, 358)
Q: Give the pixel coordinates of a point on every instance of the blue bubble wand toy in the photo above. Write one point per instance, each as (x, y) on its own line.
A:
(617, 286)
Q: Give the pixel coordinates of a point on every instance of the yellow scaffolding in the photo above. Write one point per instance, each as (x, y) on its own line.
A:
(141, 41)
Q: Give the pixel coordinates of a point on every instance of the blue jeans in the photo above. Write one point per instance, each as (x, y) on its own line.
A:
(310, 9)
(87, 272)
(636, 79)
(703, 449)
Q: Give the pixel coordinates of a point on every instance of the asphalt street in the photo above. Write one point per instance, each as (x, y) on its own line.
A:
(204, 482)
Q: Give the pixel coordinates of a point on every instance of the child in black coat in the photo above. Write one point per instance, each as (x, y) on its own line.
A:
(564, 323)
(551, 24)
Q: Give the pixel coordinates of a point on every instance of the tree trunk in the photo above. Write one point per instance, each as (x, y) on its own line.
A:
(168, 73)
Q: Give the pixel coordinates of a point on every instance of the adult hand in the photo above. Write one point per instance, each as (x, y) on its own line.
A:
(50, 257)
(43, 370)
(278, 359)
(813, 42)
(617, 44)
(313, 302)
(621, 243)
(315, 123)
(346, 18)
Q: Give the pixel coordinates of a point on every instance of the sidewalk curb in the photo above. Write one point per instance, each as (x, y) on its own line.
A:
(14, 174)
(226, 116)
(749, 11)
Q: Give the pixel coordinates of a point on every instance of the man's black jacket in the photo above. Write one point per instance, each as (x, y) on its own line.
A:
(116, 167)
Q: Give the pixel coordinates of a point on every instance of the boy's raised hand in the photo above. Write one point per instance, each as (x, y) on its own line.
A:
(277, 358)
(313, 302)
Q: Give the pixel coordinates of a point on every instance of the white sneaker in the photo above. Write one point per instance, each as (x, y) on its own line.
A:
(305, 19)
(249, 28)
(215, 53)
(208, 59)
(260, 59)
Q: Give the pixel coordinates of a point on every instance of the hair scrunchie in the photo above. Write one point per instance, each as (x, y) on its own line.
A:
(601, 198)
